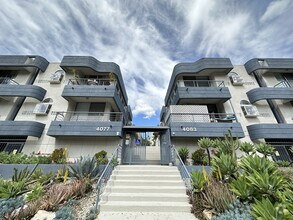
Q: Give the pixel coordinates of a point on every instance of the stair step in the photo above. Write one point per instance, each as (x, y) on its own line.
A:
(134, 206)
(145, 177)
(156, 197)
(146, 172)
(144, 167)
(146, 189)
(145, 182)
(146, 216)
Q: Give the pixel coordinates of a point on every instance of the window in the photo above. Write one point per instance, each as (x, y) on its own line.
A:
(249, 110)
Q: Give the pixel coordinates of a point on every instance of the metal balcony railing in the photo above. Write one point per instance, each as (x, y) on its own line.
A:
(7, 81)
(89, 116)
(200, 83)
(284, 84)
(200, 117)
(95, 82)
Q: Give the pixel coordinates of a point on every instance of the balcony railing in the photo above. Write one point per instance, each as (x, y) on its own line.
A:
(200, 117)
(7, 81)
(89, 116)
(95, 82)
(200, 83)
(284, 84)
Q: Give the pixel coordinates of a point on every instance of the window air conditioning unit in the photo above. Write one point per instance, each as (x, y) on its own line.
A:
(250, 111)
(42, 109)
(236, 80)
(56, 77)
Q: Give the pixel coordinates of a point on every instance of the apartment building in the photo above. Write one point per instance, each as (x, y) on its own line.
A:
(80, 104)
(211, 96)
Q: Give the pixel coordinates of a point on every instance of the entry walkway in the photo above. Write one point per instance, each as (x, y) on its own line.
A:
(145, 192)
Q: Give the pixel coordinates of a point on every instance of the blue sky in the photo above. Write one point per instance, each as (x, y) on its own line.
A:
(147, 38)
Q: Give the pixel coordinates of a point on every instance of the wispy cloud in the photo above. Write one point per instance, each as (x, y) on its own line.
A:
(147, 38)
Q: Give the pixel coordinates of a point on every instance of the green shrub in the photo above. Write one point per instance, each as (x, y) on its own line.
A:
(183, 154)
(59, 156)
(206, 143)
(19, 158)
(36, 193)
(235, 211)
(283, 163)
(10, 189)
(198, 157)
(101, 157)
(266, 210)
(44, 160)
(249, 164)
(224, 167)
(199, 180)
(64, 213)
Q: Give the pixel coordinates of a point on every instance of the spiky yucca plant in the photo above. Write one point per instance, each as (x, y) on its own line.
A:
(206, 143)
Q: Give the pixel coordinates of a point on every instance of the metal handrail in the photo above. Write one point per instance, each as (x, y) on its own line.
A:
(182, 168)
(8, 81)
(90, 81)
(201, 83)
(88, 116)
(283, 84)
(202, 117)
(105, 176)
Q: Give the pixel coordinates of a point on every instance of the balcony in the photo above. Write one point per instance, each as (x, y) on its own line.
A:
(281, 91)
(98, 89)
(199, 92)
(21, 128)
(203, 125)
(10, 88)
(87, 124)
(270, 131)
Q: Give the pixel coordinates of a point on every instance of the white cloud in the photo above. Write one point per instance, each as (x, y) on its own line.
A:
(147, 38)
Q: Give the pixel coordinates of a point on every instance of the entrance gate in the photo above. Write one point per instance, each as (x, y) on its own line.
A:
(146, 145)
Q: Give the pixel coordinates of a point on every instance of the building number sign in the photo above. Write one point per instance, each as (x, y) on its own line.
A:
(189, 129)
(103, 128)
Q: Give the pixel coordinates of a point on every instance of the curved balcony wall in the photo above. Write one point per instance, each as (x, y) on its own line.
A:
(23, 91)
(270, 131)
(269, 93)
(21, 128)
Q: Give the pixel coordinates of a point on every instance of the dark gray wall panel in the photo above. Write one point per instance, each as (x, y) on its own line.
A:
(264, 93)
(21, 61)
(21, 128)
(219, 93)
(96, 65)
(71, 91)
(206, 129)
(217, 64)
(273, 131)
(273, 64)
(84, 128)
(23, 91)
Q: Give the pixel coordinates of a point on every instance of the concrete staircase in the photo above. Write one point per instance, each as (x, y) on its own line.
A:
(145, 191)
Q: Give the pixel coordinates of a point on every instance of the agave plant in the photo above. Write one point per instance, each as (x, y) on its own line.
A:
(266, 210)
(183, 153)
(224, 167)
(247, 148)
(206, 143)
(260, 164)
(242, 189)
(199, 180)
(86, 168)
(265, 149)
